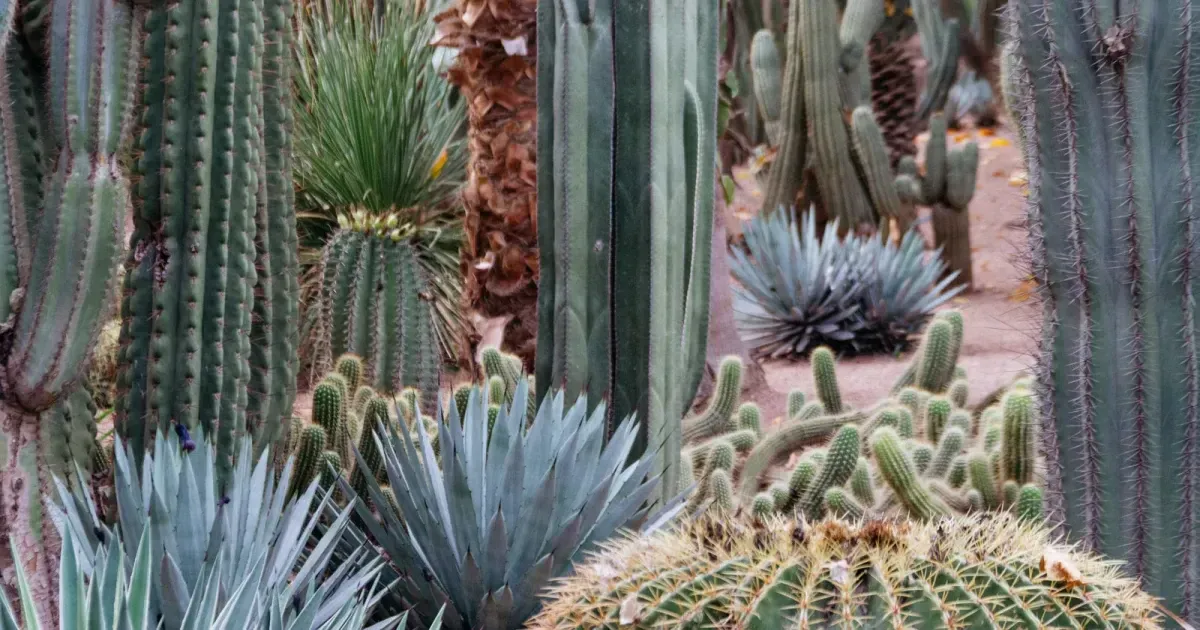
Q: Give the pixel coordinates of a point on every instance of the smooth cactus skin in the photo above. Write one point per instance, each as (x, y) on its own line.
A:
(1111, 212)
(824, 369)
(746, 572)
(211, 289)
(627, 116)
(718, 416)
(374, 305)
(767, 70)
(901, 475)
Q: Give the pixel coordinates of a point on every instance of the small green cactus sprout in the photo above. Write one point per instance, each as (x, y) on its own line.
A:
(462, 398)
(720, 488)
(839, 503)
(370, 462)
(1029, 503)
(901, 475)
(922, 455)
(957, 477)
(350, 366)
(937, 416)
(717, 418)
(839, 465)
(959, 390)
(951, 444)
(938, 356)
(905, 425)
(762, 507)
(861, 485)
(799, 483)
(493, 412)
(362, 398)
(795, 402)
(749, 417)
(1010, 492)
(1019, 434)
(496, 390)
(824, 369)
(497, 365)
(743, 440)
(979, 469)
(975, 499)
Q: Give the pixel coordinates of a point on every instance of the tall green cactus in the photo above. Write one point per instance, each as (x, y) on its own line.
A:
(375, 304)
(211, 289)
(66, 104)
(627, 98)
(1108, 108)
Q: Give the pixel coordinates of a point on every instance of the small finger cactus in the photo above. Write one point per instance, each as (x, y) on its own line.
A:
(308, 457)
(718, 416)
(824, 369)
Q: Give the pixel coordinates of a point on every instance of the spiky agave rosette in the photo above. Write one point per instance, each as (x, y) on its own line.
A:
(861, 295)
(963, 572)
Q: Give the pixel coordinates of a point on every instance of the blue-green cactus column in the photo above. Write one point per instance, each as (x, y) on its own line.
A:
(65, 120)
(210, 293)
(627, 97)
(1106, 96)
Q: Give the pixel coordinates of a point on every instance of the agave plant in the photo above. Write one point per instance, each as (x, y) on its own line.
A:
(507, 508)
(859, 295)
(244, 559)
(378, 131)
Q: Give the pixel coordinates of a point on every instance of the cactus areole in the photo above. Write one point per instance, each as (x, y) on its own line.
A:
(1105, 95)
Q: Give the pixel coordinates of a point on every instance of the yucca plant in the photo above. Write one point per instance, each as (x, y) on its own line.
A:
(244, 559)
(858, 295)
(505, 510)
(378, 131)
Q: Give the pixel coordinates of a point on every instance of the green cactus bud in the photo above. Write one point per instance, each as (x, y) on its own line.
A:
(743, 440)
(979, 469)
(749, 417)
(462, 398)
(720, 488)
(350, 366)
(330, 466)
(717, 418)
(1011, 491)
(922, 456)
(795, 402)
(1029, 503)
(937, 415)
(955, 500)
(1018, 437)
(901, 476)
(839, 503)
(762, 507)
(861, 485)
(839, 465)
(961, 419)
(799, 482)
(959, 390)
(957, 477)
(952, 443)
(308, 458)
(938, 356)
(780, 493)
(496, 390)
(824, 370)
(905, 425)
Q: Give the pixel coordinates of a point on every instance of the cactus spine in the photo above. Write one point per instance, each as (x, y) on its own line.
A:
(625, 210)
(211, 288)
(824, 369)
(1111, 150)
(66, 107)
(374, 304)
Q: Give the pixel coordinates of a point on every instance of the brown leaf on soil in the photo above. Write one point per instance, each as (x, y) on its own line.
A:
(1023, 292)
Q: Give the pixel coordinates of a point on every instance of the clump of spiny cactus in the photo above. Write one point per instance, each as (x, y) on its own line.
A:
(917, 446)
(718, 417)
(765, 572)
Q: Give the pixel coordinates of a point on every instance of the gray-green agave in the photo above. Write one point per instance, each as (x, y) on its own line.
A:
(505, 511)
(796, 292)
(245, 559)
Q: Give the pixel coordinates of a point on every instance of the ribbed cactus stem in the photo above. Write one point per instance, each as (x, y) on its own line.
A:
(872, 152)
(498, 365)
(329, 413)
(370, 462)
(767, 70)
(308, 458)
(779, 493)
(901, 476)
(1018, 442)
(959, 391)
(496, 389)
(350, 366)
(952, 443)
(785, 440)
(749, 418)
(824, 370)
(330, 466)
(954, 499)
(1009, 491)
(922, 456)
(1029, 503)
(839, 465)
(979, 469)
(939, 354)
(462, 398)
(720, 488)
(937, 416)
(792, 155)
(718, 416)
(962, 419)
(957, 477)
(795, 402)
(799, 482)
(839, 503)
(861, 484)
(763, 506)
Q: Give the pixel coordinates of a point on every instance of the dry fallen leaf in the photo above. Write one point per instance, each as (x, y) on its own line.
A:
(960, 300)
(998, 173)
(985, 132)
(1023, 292)
(999, 142)
(1058, 566)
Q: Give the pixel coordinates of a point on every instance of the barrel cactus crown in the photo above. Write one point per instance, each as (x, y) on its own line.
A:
(736, 573)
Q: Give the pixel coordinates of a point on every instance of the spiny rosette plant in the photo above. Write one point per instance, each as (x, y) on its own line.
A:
(857, 295)
(244, 558)
(379, 132)
(970, 572)
(484, 527)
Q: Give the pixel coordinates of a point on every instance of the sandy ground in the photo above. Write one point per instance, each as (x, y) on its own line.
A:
(1001, 319)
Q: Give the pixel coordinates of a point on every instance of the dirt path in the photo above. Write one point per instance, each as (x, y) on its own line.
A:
(1001, 320)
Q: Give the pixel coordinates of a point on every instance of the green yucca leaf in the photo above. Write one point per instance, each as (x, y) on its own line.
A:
(796, 292)
(490, 523)
(248, 558)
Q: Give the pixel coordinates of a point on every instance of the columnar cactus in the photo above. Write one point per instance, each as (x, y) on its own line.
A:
(627, 111)
(948, 186)
(375, 303)
(1107, 103)
(66, 108)
(211, 289)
